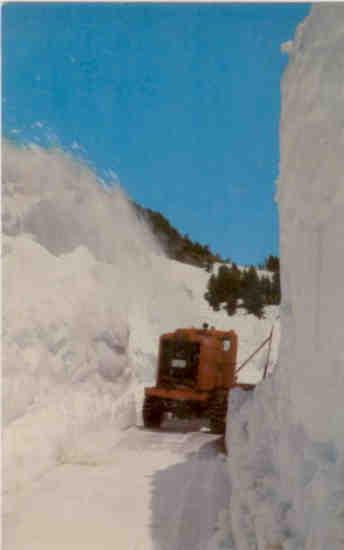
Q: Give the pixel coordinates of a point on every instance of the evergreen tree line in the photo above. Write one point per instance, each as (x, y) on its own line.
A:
(234, 288)
(177, 246)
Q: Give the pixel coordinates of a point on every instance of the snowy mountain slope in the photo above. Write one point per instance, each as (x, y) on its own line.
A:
(286, 441)
(87, 293)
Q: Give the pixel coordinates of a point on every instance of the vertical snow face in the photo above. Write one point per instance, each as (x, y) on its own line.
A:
(311, 205)
(74, 255)
(286, 442)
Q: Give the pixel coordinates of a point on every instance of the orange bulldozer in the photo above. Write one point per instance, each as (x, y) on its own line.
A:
(196, 371)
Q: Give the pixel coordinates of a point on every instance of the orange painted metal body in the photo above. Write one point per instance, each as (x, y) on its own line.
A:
(179, 395)
(216, 363)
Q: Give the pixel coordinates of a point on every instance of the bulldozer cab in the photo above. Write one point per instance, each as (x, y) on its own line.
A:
(202, 359)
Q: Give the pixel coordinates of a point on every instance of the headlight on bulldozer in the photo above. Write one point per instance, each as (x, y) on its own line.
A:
(178, 363)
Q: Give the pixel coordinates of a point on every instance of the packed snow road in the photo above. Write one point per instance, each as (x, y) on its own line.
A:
(153, 490)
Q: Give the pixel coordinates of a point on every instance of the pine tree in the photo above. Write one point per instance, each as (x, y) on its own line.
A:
(251, 292)
(211, 295)
(266, 290)
(272, 263)
(233, 289)
(223, 283)
(230, 285)
(276, 288)
(231, 305)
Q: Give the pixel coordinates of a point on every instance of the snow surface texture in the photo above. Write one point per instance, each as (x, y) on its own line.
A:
(87, 292)
(286, 441)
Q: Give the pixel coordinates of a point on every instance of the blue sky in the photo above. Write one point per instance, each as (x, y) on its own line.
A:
(180, 101)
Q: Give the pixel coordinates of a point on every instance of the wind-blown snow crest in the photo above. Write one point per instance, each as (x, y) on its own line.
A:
(87, 292)
(286, 440)
(60, 202)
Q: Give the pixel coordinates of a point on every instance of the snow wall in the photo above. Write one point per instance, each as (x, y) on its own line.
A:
(286, 442)
(70, 252)
(87, 292)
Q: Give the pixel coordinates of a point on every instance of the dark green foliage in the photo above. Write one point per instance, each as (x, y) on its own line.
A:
(251, 292)
(224, 283)
(231, 306)
(272, 263)
(276, 288)
(266, 290)
(211, 295)
(177, 246)
(233, 289)
(270, 289)
(224, 288)
(231, 285)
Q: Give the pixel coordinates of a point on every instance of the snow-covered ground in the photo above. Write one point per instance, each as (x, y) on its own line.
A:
(87, 292)
(159, 490)
(287, 440)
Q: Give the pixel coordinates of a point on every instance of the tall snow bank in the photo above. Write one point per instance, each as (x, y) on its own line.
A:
(286, 440)
(74, 256)
(65, 355)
